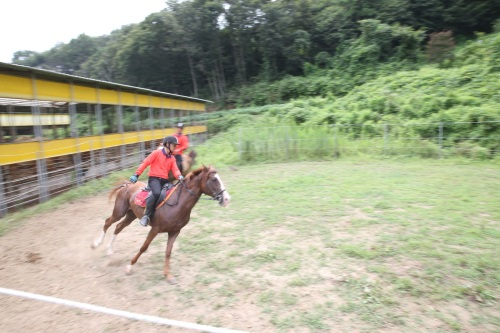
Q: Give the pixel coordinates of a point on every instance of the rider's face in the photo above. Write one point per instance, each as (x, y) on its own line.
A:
(171, 146)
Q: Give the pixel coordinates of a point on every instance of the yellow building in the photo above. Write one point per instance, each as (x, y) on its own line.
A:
(51, 122)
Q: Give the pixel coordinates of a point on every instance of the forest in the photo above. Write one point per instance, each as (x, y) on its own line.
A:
(256, 52)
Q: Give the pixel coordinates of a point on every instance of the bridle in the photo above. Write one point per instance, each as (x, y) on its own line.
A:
(217, 196)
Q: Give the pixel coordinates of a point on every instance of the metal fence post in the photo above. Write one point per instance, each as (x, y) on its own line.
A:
(336, 140)
(92, 163)
(151, 128)
(240, 143)
(102, 151)
(43, 193)
(440, 139)
(3, 205)
(77, 157)
(286, 142)
(386, 139)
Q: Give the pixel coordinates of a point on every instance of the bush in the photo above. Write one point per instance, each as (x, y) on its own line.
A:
(471, 150)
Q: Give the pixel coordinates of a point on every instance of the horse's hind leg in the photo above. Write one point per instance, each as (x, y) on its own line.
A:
(118, 213)
(119, 227)
(152, 234)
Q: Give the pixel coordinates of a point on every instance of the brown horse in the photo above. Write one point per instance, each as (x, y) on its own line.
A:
(171, 217)
(187, 163)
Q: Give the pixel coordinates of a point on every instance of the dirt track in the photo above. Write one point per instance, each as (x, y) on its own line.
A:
(50, 255)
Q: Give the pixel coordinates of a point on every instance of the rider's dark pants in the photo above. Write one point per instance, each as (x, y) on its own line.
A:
(155, 184)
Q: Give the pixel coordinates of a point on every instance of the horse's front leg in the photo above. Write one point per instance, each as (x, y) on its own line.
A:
(170, 244)
(152, 234)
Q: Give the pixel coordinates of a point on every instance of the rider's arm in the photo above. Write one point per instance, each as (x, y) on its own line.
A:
(147, 161)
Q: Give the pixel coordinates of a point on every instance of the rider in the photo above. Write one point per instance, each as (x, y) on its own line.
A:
(160, 162)
(183, 145)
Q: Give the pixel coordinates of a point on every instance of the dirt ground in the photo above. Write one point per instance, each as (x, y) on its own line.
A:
(50, 255)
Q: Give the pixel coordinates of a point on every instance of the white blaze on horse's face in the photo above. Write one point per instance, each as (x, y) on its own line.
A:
(226, 198)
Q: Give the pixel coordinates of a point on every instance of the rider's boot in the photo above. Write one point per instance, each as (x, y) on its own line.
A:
(150, 202)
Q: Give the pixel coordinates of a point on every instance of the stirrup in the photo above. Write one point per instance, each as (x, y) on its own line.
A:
(144, 221)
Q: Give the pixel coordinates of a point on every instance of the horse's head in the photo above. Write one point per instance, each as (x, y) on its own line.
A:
(212, 185)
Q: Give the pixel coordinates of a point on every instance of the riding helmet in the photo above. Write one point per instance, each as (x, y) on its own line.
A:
(170, 139)
(180, 125)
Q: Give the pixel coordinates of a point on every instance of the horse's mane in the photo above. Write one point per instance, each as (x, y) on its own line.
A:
(196, 172)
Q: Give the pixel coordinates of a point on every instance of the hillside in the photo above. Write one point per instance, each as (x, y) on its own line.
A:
(221, 50)
(463, 90)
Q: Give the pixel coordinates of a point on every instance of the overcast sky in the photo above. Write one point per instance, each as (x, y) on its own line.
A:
(39, 25)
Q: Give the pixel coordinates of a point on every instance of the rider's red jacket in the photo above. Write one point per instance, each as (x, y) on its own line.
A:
(183, 144)
(160, 163)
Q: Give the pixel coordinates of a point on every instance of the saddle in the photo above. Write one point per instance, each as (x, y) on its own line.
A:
(166, 192)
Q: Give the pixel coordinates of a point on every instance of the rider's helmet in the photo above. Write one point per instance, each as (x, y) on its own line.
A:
(170, 139)
(180, 125)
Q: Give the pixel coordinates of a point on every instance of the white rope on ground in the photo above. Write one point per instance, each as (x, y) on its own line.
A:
(125, 314)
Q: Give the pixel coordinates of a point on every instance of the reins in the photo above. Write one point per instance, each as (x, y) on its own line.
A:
(178, 196)
(179, 193)
(215, 196)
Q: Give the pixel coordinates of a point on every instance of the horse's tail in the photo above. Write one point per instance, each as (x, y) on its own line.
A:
(118, 186)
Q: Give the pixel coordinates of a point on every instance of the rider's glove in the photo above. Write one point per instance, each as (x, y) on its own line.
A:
(133, 178)
(181, 177)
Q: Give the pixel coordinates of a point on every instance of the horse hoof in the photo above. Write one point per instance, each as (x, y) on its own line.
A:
(128, 270)
(109, 252)
(171, 280)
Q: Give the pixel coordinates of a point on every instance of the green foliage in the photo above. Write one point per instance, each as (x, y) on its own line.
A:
(212, 49)
(463, 98)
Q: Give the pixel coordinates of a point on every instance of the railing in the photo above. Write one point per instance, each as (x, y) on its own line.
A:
(32, 182)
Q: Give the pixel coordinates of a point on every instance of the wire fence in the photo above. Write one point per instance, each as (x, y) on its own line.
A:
(479, 140)
(29, 183)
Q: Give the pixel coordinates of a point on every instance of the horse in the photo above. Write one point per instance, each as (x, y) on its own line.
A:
(187, 163)
(170, 217)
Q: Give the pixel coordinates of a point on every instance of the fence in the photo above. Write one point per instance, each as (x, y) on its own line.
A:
(21, 185)
(430, 140)
(29, 183)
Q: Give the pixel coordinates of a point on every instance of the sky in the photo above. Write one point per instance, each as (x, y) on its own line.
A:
(39, 25)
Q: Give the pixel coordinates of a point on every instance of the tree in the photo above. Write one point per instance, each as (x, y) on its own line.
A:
(440, 46)
(28, 58)
(68, 58)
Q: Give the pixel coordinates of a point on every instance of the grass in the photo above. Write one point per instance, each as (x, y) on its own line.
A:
(367, 239)
(346, 245)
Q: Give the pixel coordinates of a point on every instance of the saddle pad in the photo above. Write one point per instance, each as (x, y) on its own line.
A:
(140, 198)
